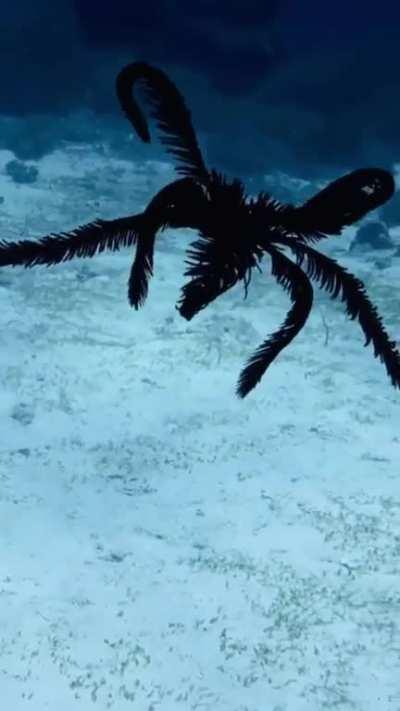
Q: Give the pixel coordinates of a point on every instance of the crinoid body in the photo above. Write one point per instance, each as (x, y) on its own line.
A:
(235, 231)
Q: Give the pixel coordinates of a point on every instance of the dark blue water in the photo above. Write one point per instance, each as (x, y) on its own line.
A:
(304, 86)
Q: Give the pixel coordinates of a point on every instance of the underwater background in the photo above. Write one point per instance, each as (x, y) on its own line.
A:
(165, 545)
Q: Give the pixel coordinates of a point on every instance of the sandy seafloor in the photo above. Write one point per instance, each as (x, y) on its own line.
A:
(165, 545)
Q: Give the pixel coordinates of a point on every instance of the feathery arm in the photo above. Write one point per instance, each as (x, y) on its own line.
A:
(168, 108)
(296, 283)
(83, 241)
(338, 281)
(179, 204)
(341, 203)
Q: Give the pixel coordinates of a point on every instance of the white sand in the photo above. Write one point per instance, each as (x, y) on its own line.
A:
(165, 545)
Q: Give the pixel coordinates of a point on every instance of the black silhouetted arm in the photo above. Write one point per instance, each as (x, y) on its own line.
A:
(83, 241)
(337, 281)
(298, 286)
(168, 109)
(341, 203)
